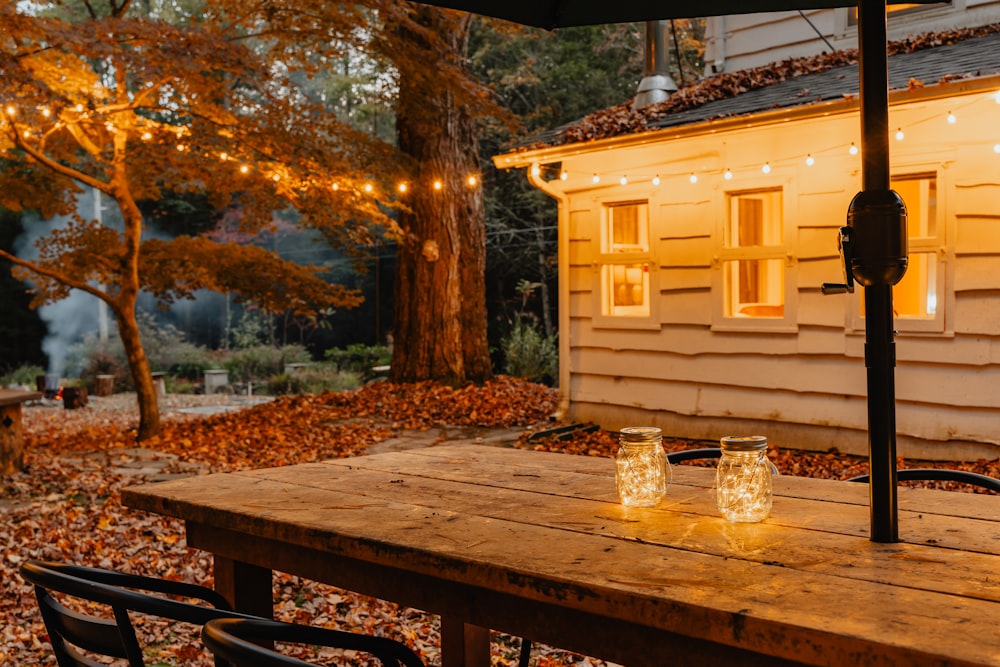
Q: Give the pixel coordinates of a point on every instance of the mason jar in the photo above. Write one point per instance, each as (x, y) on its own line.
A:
(743, 485)
(642, 473)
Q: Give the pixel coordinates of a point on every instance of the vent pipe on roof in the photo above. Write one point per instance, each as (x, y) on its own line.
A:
(656, 85)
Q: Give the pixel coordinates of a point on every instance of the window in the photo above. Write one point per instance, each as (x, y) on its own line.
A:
(625, 260)
(899, 10)
(753, 257)
(917, 298)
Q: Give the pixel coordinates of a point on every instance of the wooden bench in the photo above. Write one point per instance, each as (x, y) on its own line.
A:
(11, 432)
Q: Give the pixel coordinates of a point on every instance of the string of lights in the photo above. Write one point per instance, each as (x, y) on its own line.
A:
(177, 133)
(657, 174)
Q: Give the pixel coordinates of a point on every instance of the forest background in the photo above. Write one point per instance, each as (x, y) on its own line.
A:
(543, 79)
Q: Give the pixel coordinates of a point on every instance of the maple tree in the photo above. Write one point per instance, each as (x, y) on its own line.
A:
(134, 106)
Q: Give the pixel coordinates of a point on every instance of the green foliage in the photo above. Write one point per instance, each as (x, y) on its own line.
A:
(359, 358)
(22, 375)
(314, 380)
(254, 364)
(530, 355)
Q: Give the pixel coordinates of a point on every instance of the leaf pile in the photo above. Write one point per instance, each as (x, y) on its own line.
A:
(623, 119)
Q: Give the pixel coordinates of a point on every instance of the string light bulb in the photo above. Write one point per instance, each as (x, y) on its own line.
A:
(623, 180)
(899, 134)
(535, 170)
(563, 175)
(146, 136)
(472, 181)
(402, 187)
(335, 187)
(996, 97)
(222, 156)
(951, 118)
(996, 148)
(766, 168)
(11, 111)
(728, 175)
(46, 112)
(853, 150)
(438, 184)
(244, 169)
(693, 178)
(596, 179)
(656, 179)
(369, 187)
(810, 160)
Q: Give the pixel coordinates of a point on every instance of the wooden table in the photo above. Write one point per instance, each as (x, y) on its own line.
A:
(537, 545)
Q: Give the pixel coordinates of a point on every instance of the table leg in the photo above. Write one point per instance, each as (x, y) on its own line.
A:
(247, 587)
(464, 645)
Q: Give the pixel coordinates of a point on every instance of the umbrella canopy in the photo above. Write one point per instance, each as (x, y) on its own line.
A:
(873, 242)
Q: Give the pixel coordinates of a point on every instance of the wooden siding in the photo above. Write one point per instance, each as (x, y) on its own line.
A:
(752, 40)
(807, 381)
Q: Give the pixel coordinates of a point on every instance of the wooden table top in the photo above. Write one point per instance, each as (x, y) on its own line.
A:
(18, 396)
(545, 534)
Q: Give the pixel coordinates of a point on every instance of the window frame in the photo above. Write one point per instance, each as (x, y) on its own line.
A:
(725, 253)
(936, 246)
(607, 258)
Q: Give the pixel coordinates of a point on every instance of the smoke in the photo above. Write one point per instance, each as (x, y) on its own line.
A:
(72, 319)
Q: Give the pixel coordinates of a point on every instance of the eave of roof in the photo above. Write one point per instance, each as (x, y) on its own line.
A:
(955, 63)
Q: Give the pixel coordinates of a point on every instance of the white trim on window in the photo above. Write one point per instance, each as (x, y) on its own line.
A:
(626, 290)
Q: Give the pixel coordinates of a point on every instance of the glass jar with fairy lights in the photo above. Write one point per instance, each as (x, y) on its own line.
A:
(743, 483)
(642, 472)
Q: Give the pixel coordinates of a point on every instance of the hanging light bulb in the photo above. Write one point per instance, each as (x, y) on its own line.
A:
(996, 97)
(810, 160)
(853, 150)
(146, 136)
(11, 111)
(402, 187)
(369, 187)
(535, 170)
(951, 118)
(623, 180)
(728, 175)
(899, 134)
(244, 169)
(335, 187)
(472, 181)
(563, 175)
(766, 168)
(223, 156)
(996, 148)
(46, 112)
(438, 184)
(693, 177)
(656, 179)
(596, 179)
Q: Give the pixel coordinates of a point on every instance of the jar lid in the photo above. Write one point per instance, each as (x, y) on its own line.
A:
(640, 433)
(744, 443)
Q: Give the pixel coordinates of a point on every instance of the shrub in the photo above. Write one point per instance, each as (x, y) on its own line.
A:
(314, 380)
(530, 355)
(255, 363)
(22, 375)
(359, 358)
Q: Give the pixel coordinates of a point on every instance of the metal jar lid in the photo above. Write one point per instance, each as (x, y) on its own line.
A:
(744, 443)
(640, 434)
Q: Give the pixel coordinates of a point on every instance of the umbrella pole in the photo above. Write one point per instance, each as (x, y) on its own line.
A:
(880, 349)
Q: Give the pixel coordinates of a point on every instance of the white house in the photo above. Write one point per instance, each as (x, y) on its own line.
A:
(692, 253)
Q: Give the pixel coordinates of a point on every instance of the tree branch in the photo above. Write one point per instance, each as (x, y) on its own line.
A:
(69, 281)
(57, 167)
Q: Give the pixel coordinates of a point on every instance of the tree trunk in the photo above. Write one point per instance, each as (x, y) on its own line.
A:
(149, 409)
(439, 325)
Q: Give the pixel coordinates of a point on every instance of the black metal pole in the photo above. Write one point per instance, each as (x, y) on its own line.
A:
(880, 349)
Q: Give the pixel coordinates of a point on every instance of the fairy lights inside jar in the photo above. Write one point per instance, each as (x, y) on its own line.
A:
(743, 485)
(642, 473)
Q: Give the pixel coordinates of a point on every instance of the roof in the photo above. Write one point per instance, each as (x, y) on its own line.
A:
(920, 61)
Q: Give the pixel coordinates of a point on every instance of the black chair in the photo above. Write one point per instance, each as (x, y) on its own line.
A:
(940, 474)
(233, 639)
(705, 453)
(72, 633)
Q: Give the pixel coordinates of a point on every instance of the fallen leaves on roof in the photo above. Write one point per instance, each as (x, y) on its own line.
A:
(623, 119)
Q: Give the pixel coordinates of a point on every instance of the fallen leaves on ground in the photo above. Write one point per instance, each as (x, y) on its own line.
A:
(66, 507)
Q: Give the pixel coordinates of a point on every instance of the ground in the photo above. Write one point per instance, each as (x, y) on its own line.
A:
(65, 505)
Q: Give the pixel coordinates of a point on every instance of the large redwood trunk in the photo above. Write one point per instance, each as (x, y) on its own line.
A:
(440, 306)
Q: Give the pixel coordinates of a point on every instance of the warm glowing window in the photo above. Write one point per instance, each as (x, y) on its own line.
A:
(625, 260)
(902, 8)
(917, 297)
(754, 258)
